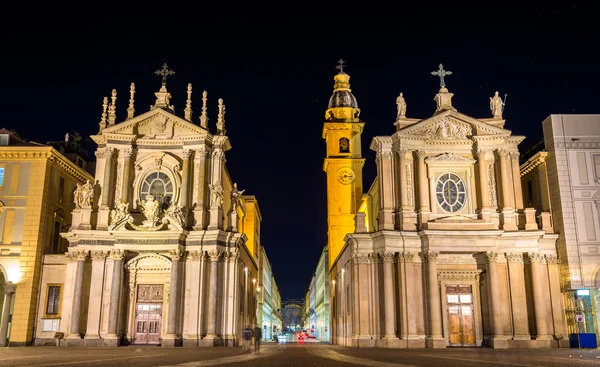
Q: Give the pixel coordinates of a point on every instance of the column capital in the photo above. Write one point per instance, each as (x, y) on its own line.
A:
(176, 254)
(231, 256)
(420, 154)
(106, 152)
(99, 255)
(514, 155)
(551, 259)
(535, 257)
(387, 256)
(502, 153)
(431, 256)
(407, 256)
(215, 255)
(480, 153)
(218, 153)
(127, 152)
(187, 153)
(514, 257)
(201, 152)
(117, 254)
(195, 255)
(77, 255)
(491, 256)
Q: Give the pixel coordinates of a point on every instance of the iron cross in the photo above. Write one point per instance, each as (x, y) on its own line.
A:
(341, 66)
(164, 72)
(441, 73)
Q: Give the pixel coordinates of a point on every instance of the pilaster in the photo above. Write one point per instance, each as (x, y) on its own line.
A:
(423, 185)
(518, 296)
(96, 288)
(201, 182)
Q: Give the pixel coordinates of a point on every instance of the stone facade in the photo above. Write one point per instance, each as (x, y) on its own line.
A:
(269, 300)
(316, 302)
(564, 180)
(158, 251)
(444, 252)
(36, 186)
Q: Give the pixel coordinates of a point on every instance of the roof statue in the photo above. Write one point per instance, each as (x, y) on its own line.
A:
(496, 105)
(131, 110)
(401, 103)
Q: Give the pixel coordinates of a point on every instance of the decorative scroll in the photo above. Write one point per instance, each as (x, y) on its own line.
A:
(409, 188)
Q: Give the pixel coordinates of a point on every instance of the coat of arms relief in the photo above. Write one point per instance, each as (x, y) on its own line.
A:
(447, 129)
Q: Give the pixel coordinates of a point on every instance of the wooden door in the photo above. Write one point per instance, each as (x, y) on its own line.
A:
(461, 320)
(148, 315)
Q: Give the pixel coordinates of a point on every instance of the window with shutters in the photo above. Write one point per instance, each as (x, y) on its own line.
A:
(53, 298)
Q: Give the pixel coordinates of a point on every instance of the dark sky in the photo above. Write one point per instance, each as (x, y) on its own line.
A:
(58, 64)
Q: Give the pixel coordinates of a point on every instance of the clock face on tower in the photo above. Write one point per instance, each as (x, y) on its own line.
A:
(345, 175)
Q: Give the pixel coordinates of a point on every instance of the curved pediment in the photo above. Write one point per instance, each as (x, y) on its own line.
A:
(452, 125)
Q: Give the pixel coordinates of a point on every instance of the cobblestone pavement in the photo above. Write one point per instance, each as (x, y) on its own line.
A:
(294, 355)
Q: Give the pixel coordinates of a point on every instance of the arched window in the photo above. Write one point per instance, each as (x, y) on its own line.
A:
(158, 185)
(344, 145)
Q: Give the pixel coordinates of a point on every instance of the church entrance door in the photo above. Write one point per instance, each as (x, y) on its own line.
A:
(461, 319)
(148, 314)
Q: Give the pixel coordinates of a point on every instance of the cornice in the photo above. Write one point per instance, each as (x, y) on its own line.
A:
(533, 162)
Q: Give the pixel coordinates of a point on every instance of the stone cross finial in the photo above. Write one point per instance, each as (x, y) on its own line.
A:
(131, 110)
(340, 66)
(112, 110)
(164, 72)
(104, 109)
(188, 105)
(221, 118)
(204, 116)
(441, 73)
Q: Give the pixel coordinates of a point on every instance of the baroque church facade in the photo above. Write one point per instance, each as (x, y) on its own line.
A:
(163, 247)
(440, 250)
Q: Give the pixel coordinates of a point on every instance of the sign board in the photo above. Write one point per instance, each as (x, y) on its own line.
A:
(579, 318)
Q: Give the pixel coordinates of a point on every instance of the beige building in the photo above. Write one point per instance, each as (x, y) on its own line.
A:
(163, 245)
(563, 178)
(269, 300)
(36, 199)
(444, 251)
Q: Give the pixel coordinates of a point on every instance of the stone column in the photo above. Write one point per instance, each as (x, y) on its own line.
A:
(95, 302)
(115, 294)
(518, 297)
(107, 181)
(539, 300)
(508, 213)
(403, 193)
(125, 184)
(174, 293)
(386, 182)
(185, 179)
(423, 185)
(388, 295)
(516, 173)
(434, 303)
(80, 256)
(9, 290)
(212, 294)
(483, 180)
(495, 299)
(201, 181)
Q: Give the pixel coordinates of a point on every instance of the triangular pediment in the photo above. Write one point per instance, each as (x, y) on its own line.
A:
(452, 125)
(156, 123)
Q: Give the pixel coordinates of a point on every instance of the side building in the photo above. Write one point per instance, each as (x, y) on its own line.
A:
(316, 302)
(563, 178)
(37, 182)
(443, 252)
(269, 300)
(162, 244)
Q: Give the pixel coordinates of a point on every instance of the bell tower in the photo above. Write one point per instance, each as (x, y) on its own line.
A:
(343, 163)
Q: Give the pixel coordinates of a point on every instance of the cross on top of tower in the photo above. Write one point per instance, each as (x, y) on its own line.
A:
(441, 73)
(164, 72)
(340, 65)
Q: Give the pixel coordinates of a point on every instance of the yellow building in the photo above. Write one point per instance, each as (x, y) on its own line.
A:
(343, 163)
(36, 199)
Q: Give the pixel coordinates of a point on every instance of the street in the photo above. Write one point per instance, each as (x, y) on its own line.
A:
(294, 355)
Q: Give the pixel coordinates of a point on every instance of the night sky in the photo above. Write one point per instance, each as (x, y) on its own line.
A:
(276, 85)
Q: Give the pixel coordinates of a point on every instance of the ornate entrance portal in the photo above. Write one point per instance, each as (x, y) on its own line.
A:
(148, 314)
(461, 320)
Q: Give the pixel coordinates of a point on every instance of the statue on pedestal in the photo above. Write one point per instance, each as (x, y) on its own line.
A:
(496, 105)
(216, 195)
(119, 216)
(235, 197)
(401, 103)
(84, 195)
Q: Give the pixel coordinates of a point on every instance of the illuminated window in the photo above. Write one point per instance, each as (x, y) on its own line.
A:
(2, 176)
(159, 185)
(53, 300)
(450, 192)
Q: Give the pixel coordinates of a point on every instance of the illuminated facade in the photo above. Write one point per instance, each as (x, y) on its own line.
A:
(563, 178)
(269, 300)
(163, 246)
(316, 303)
(36, 198)
(443, 252)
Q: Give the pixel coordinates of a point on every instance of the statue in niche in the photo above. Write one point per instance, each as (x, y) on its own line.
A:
(235, 197)
(496, 105)
(401, 103)
(344, 145)
(84, 195)
(216, 195)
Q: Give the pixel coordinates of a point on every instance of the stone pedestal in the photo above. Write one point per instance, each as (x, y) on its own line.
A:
(233, 221)
(508, 220)
(82, 219)
(407, 220)
(423, 217)
(546, 222)
(216, 218)
(486, 214)
(171, 341)
(360, 225)
(199, 219)
(530, 222)
(103, 218)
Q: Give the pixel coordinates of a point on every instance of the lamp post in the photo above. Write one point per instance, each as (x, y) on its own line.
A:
(9, 290)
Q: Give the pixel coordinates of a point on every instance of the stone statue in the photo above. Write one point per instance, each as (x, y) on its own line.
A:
(84, 195)
(150, 210)
(496, 105)
(174, 215)
(401, 103)
(216, 195)
(119, 216)
(235, 197)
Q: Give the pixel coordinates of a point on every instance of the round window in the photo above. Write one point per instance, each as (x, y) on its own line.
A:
(450, 192)
(158, 185)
